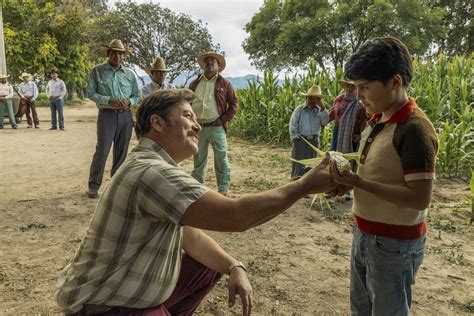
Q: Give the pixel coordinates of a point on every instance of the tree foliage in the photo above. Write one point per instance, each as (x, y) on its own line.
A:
(40, 35)
(457, 21)
(153, 31)
(285, 34)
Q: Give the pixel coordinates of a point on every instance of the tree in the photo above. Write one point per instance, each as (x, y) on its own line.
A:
(291, 33)
(457, 20)
(153, 31)
(40, 35)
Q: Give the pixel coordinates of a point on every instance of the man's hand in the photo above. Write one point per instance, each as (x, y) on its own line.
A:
(318, 180)
(123, 103)
(339, 190)
(347, 178)
(113, 102)
(3, 99)
(239, 284)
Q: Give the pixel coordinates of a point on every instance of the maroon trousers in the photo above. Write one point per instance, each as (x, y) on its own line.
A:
(194, 283)
(28, 106)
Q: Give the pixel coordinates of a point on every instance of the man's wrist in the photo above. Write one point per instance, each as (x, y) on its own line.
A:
(236, 264)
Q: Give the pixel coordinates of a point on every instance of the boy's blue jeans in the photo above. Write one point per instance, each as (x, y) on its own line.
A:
(382, 273)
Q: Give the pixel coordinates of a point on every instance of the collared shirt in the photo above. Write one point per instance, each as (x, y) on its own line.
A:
(28, 89)
(56, 88)
(307, 120)
(153, 86)
(205, 105)
(131, 254)
(6, 90)
(394, 152)
(107, 83)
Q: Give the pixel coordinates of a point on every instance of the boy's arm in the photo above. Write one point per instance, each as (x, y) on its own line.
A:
(415, 194)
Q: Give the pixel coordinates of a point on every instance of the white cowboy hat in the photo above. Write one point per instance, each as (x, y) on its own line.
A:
(220, 59)
(2, 76)
(344, 83)
(157, 65)
(117, 45)
(25, 74)
(315, 91)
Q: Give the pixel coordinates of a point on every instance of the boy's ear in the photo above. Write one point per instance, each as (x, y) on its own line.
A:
(397, 81)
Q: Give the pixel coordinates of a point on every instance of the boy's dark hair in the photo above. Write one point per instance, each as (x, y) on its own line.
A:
(380, 59)
(159, 103)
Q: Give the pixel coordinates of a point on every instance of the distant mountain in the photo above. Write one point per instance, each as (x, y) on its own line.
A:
(237, 82)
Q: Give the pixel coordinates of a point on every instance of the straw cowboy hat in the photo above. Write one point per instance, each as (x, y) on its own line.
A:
(344, 83)
(25, 74)
(315, 91)
(53, 71)
(220, 59)
(157, 65)
(117, 45)
(2, 76)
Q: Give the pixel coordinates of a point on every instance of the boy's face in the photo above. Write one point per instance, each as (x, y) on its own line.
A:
(375, 96)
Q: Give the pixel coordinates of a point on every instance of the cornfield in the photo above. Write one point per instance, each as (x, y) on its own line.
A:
(443, 88)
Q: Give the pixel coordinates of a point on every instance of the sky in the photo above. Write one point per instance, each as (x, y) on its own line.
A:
(225, 21)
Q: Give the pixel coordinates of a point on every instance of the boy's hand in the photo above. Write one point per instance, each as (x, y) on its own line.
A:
(347, 178)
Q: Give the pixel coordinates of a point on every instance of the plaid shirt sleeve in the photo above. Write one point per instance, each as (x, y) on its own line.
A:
(165, 192)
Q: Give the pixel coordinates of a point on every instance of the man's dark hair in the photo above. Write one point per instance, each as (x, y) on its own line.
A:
(380, 59)
(159, 103)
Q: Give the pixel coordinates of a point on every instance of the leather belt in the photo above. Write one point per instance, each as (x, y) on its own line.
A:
(310, 137)
(213, 123)
(119, 110)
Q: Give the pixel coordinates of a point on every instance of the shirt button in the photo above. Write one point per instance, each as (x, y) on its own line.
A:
(369, 140)
(362, 156)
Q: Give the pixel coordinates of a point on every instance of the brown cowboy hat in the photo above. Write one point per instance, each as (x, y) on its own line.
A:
(117, 45)
(25, 74)
(315, 91)
(344, 83)
(220, 59)
(157, 65)
(2, 76)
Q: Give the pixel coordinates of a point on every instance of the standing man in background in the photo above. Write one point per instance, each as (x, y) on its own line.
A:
(114, 90)
(306, 122)
(28, 93)
(157, 72)
(56, 90)
(215, 106)
(6, 95)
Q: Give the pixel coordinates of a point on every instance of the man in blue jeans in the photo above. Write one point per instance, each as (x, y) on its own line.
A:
(215, 106)
(6, 94)
(56, 90)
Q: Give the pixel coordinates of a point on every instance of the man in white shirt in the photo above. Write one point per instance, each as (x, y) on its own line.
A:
(28, 93)
(157, 71)
(6, 94)
(56, 90)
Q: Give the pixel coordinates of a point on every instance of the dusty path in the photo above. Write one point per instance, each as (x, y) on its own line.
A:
(298, 263)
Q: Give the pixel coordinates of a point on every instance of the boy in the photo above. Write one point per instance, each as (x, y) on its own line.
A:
(393, 184)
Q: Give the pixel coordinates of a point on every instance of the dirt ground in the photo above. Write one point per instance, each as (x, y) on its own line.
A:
(298, 263)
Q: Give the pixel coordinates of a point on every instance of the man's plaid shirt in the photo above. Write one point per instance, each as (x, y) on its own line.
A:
(131, 254)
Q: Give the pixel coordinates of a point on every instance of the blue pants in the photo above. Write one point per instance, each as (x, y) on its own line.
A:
(11, 115)
(57, 105)
(216, 136)
(382, 273)
(113, 128)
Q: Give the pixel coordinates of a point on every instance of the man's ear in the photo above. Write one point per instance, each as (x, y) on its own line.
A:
(157, 122)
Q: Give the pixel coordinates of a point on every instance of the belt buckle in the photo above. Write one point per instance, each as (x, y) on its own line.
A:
(310, 137)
